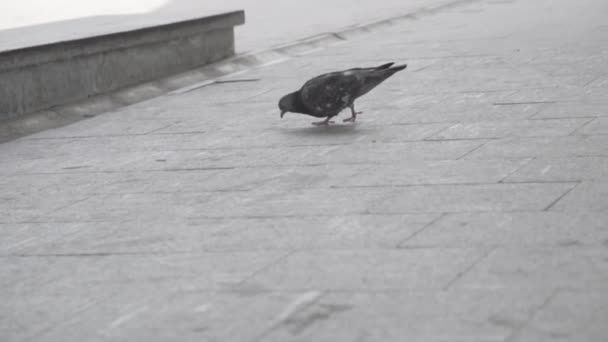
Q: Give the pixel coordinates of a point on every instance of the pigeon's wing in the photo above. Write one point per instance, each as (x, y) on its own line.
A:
(328, 94)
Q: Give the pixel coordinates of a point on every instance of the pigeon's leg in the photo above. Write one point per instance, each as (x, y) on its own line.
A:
(325, 122)
(353, 114)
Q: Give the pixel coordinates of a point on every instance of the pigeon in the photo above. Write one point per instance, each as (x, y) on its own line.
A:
(325, 96)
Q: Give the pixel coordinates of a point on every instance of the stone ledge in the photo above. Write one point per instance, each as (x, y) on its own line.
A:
(39, 77)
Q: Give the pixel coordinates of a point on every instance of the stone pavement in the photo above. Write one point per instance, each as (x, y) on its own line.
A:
(469, 203)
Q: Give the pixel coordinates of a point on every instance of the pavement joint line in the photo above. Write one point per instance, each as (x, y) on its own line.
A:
(462, 139)
(330, 291)
(436, 219)
(525, 324)
(330, 249)
(552, 204)
(95, 254)
(261, 166)
(153, 132)
(577, 129)
(61, 207)
(560, 117)
(266, 267)
(175, 192)
(524, 162)
(444, 184)
(440, 130)
(472, 150)
(362, 213)
(462, 273)
(295, 216)
(522, 103)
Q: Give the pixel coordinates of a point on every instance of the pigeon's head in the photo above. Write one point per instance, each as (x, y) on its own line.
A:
(291, 103)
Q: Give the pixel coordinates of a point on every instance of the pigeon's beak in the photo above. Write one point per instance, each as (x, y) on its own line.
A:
(283, 113)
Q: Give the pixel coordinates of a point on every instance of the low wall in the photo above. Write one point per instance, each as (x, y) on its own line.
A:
(39, 77)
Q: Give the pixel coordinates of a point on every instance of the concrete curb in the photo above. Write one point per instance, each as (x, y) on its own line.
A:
(196, 78)
(39, 77)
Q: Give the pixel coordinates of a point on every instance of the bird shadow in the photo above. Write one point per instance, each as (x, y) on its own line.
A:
(335, 129)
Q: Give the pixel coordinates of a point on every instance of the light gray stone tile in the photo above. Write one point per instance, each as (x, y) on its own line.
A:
(595, 127)
(370, 269)
(562, 169)
(503, 129)
(482, 197)
(425, 315)
(570, 316)
(548, 147)
(573, 109)
(42, 275)
(431, 172)
(105, 125)
(542, 228)
(132, 206)
(587, 196)
(18, 237)
(248, 234)
(568, 267)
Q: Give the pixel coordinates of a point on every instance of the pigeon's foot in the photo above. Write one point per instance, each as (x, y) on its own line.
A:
(351, 119)
(322, 123)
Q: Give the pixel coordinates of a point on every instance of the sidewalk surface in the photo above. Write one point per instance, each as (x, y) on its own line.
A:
(469, 203)
(268, 22)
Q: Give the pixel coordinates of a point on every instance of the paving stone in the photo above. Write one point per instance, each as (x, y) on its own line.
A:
(553, 147)
(502, 129)
(482, 197)
(369, 269)
(17, 237)
(567, 267)
(569, 316)
(53, 274)
(597, 126)
(196, 235)
(309, 135)
(549, 229)
(572, 110)
(425, 315)
(102, 126)
(587, 196)
(132, 206)
(562, 169)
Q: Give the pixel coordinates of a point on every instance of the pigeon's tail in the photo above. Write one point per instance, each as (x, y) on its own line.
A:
(374, 77)
(398, 67)
(384, 66)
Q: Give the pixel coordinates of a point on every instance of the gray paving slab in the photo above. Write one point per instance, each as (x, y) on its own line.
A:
(590, 196)
(368, 269)
(198, 235)
(573, 109)
(544, 228)
(570, 315)
(539, 267)
(40, 275)
(503, 129)
(468, 203)
(562, 169)
(555, 147)
(596, 126)
(488, 315)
